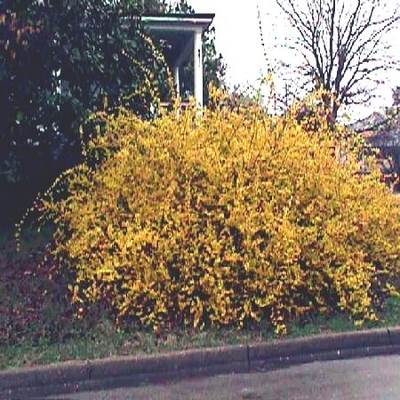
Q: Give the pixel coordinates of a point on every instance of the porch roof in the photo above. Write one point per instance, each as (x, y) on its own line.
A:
(177, 22)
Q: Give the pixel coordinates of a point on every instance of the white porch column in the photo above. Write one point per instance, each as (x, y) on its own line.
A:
(198, 67)
(177, 80)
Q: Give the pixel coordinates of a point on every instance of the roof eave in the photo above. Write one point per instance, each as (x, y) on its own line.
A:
(178, 21)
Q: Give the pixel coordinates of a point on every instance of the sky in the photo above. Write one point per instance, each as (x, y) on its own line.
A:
(238, 39)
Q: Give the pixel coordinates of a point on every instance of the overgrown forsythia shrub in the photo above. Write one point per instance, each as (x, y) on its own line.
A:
(226, 219)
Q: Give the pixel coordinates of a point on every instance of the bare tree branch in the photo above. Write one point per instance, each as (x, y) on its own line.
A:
(342, 44)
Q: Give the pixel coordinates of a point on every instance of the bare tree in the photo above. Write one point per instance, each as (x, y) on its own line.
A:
(343, 45)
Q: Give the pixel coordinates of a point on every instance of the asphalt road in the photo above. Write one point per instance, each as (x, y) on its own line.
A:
(368, 378)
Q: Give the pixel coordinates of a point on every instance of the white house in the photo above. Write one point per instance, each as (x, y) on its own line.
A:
(184, 35)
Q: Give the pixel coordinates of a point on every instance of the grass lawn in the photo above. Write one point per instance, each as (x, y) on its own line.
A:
(44, 331)
(105, 341)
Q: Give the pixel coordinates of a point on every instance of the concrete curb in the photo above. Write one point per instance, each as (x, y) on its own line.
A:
(129, 371)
